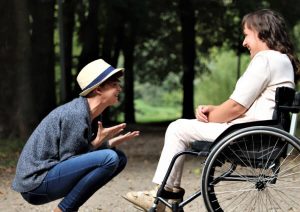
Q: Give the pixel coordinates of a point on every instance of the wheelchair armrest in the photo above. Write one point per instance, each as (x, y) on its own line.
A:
(201, 146)
(292, 109)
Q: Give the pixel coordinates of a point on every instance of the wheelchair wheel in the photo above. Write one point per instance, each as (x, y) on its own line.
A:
(253, 169)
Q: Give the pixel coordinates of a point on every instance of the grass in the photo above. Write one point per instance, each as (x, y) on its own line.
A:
(9, 152)
(147, 113)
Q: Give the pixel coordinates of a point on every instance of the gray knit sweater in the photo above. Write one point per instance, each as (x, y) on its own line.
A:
(63, 133)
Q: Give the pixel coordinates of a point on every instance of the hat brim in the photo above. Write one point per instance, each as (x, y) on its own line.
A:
(87, 91)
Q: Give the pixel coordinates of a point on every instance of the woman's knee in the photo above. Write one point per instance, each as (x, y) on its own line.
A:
(177, 132)
(107, 158)
(176, 128)
(122, 158)
(122, 162)
(176, 125)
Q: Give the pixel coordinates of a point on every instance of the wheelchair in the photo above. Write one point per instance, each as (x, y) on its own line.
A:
(252, 166)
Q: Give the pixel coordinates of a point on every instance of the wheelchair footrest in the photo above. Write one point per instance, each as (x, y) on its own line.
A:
(171, 195)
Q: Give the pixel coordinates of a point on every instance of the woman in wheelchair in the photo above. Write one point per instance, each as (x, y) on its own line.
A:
(273, 65)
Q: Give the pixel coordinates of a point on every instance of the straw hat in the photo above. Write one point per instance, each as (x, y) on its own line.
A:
(93, 74)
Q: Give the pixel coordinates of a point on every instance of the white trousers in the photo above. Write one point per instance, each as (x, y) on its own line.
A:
(178, 137)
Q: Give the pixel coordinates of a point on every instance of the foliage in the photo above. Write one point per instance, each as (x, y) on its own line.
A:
(105, 29)
(155, 103)
(146, 113)
(158, 49)
(158, 102)
(296, 36)
(216, 86)
(9, 152)
(168, 93)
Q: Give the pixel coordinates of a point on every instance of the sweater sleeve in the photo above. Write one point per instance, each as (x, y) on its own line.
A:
(74, 136)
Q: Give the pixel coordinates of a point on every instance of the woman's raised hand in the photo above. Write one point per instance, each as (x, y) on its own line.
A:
(123, 138)
(108, 133)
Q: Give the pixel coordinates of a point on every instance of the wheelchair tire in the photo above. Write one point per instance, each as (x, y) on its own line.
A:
(253, 169)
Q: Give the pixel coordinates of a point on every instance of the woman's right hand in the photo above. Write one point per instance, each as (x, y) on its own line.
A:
(202, 111)
(104, 134)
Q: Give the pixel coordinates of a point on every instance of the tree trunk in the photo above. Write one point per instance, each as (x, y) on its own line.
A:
(42, 61)
(128, 49)
(25, 112)
(89, 36)
(111, 47)
(187, 17)
(14, 59)
(66, 28)
(109, 36)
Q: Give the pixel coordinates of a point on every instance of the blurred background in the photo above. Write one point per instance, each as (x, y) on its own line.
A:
(177, 54)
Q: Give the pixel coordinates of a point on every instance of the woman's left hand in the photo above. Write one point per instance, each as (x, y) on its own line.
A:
(106, 133)
(123, 138)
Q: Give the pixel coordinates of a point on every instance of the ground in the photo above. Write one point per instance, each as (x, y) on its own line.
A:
(143, 154)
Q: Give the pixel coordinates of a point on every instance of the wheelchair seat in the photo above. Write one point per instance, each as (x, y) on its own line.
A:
(205, 146)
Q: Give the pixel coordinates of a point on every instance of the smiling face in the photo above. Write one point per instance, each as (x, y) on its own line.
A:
(110, 92)
(252, 42)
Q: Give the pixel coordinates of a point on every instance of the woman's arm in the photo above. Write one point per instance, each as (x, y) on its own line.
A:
(225, 112)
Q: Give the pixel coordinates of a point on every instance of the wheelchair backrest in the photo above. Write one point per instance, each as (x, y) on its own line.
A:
(284, 96)
(287, 101)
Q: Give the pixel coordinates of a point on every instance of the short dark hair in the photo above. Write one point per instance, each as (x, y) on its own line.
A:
(113, 78)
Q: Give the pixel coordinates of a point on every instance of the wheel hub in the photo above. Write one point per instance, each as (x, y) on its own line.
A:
(260, 185)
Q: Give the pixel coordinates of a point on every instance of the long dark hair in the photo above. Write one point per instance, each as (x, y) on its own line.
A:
(272, 30)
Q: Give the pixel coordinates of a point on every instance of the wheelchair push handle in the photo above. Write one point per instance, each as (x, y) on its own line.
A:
(287, 100)
(296, 101)
(295, 107)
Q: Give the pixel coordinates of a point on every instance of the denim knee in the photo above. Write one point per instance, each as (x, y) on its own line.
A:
(111, 160)
(122, 158)
(35, 198)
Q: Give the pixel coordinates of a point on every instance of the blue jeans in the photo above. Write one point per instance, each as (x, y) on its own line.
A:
(77, 179)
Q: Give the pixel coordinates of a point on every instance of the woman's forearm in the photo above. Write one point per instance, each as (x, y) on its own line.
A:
(227, 111)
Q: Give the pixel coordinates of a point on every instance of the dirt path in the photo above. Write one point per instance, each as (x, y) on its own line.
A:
(143, 154)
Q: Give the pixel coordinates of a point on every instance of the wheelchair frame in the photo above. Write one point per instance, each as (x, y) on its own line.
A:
(257, 156)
